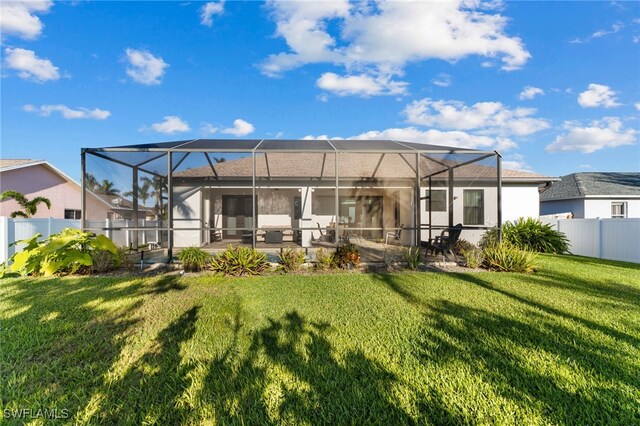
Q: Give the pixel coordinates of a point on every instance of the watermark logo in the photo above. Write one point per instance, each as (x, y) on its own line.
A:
(41, 413)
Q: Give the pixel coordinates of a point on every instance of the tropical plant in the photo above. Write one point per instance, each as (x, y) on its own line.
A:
(412, 256)
(143, 192)
(473, 257)
(462, 245)
(29, 207)
(194, 259)
(239, 261)
(91, 182)
(531, 234)
(347, 256)
(324, 260)
(66, 252)
(505, 257)
(107, 187)
(291, 260)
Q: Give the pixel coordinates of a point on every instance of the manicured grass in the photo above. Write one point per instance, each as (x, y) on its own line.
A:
(560, 346)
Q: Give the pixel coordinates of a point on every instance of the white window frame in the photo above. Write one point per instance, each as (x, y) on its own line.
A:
(623, 208)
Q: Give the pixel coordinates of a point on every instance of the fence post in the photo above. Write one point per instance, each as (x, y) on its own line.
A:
(599, 238)
(144, 232)
(127, 238)
(5, 223)
(109, 231)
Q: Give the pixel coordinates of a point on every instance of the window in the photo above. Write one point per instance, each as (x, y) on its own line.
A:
(72, 214)
(473, 206)
(438, 200)
(618, 209)
(297, 208)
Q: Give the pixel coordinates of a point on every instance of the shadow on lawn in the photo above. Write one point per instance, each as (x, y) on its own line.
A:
(312, 386)
(65, 336)
(493, 346)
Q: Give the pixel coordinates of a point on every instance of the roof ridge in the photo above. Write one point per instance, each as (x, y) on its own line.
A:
(579, 184)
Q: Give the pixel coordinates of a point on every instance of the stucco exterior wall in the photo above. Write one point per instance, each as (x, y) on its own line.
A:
(563, 206)
(602, 208)
(39, 180)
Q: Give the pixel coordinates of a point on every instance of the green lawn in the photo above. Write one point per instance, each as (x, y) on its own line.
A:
(561, 346)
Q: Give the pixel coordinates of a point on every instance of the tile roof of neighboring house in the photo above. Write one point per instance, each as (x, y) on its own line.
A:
(351, 165)
(119, 203)
(16, 162)
(589, 184)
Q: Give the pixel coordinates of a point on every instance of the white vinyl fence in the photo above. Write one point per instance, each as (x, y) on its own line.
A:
(613, 239)
(12, 230)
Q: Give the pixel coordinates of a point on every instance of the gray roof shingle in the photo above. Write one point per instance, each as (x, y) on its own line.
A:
(580, 185)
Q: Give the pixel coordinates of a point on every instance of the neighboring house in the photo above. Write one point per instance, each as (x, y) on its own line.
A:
(593, 195)
(40, 178)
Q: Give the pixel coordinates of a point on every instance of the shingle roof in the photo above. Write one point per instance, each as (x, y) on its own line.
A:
(15, 162)
(351, 165)
(580, 185)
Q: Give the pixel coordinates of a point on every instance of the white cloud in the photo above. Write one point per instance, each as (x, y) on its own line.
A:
(530, 92)
(599, 134)
(585, 166)
(516, 162)
(209, 129)
(144, 67)
(29, 66)
(379, 39)
(19, 18)
(599, 34)
(171, 124)
(68, 113)
(491, 118)
(430, 136)
(240, 128)
(361, 85)
(598, 95)
(209, 10)
(637, 106)
(442, 80)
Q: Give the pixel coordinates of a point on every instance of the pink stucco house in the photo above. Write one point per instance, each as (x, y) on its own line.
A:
(40, 178)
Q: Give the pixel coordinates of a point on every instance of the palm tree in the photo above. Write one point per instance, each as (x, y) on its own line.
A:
(91, 182)
(143, 191)
(155, 186)
(107, 188)
(30, 207)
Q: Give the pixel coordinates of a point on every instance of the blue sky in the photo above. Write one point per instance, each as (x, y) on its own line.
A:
(555, 86)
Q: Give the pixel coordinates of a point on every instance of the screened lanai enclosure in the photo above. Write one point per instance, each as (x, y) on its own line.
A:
(270, 194)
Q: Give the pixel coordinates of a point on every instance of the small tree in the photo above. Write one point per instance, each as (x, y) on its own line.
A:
(29, 207)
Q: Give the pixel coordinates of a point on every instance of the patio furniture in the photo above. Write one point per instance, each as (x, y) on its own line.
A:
(329, 236)
(273, 237)
(445, 242)
(395, 235)
(215, 235)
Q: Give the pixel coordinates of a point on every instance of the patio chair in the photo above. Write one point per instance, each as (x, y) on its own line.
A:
(445, 242)
(328, 237)
(395, 235)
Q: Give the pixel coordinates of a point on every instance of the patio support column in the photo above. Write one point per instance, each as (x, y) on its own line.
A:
(499, 197)
(253, 201)
(451, 200)
(169, 205)
(337, 202)
(134, 190)
(416, 214)
(83, 186)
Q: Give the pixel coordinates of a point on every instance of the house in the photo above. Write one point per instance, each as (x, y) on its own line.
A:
(321, 192)
(40, 178)
(593, 195)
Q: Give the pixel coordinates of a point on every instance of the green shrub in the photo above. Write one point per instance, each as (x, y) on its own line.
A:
(239, 261)
(324, 260)
(473, 257)
(69, 251)
(412, 256)
(531, 234)
(194, 259)
(103, 261)
(461, 245)
(346, 256)
(505, 257)
(528, 234)
(291, 260)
